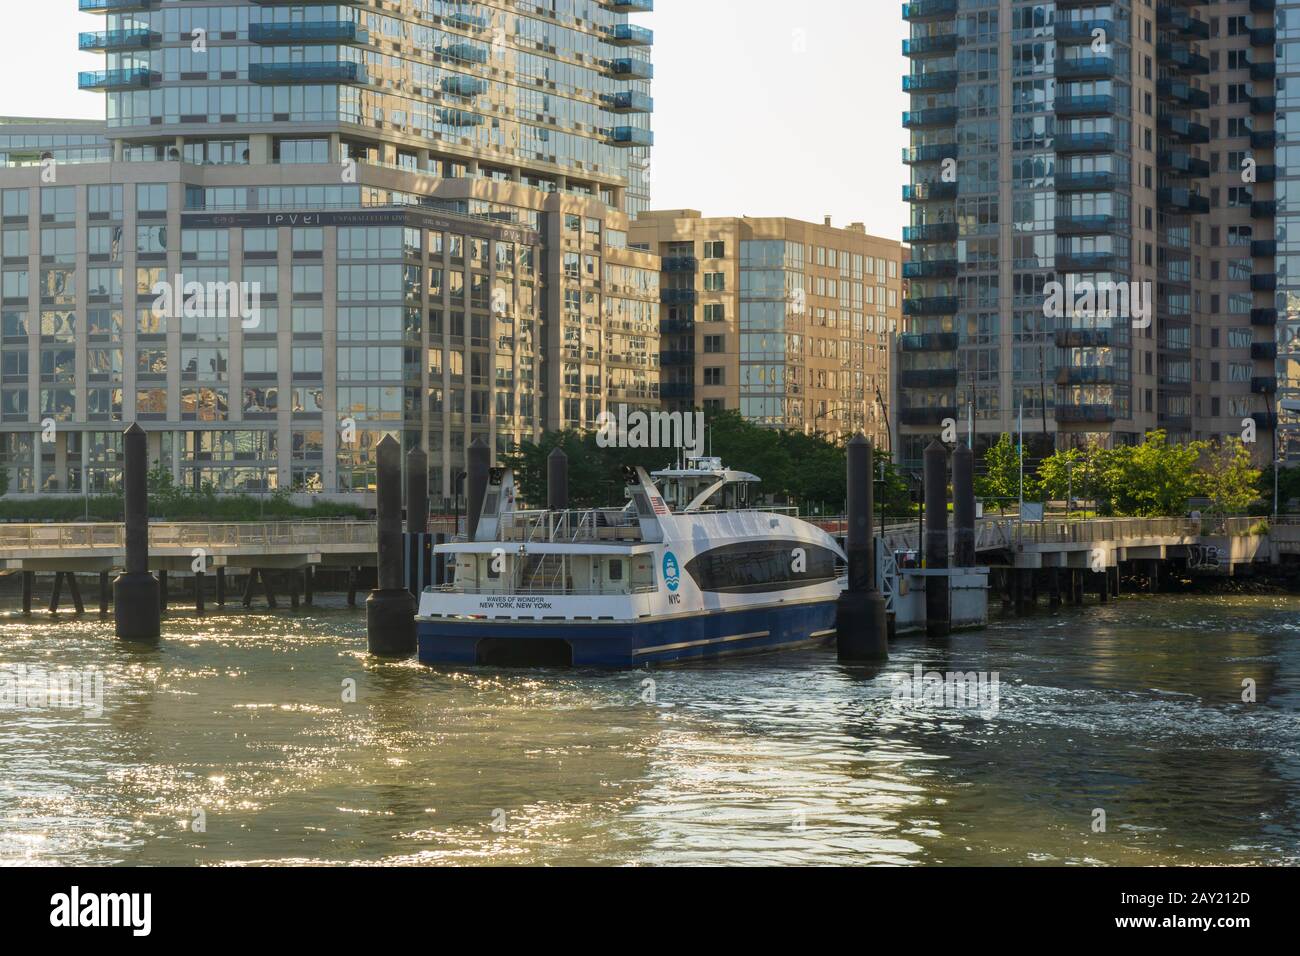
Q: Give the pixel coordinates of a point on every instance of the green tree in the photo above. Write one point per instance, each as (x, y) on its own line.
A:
(1001, 479)
(1061, 473)
(1228, 478)
(1150, 480)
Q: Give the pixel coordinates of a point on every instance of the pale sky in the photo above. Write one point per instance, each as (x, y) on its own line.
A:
(762, 107)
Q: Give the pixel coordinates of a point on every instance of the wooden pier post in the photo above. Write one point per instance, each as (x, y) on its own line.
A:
(293, 590)
(352, 587)
(250, 583)
(198, 593)
(221, 587)
(75, 589)
(267, 588)
(57, 590)
(861, 628)
(103, 593)
(390, 609)
(137, 615)
(308, 585)
(27, 592)
(1054, 589)
(937, 611)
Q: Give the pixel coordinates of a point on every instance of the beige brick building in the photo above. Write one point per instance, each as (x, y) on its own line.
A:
(788, 322)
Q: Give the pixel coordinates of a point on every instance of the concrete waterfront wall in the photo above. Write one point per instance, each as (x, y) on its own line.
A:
(968, 598)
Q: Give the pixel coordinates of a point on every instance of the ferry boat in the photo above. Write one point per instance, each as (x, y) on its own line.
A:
(686, 570)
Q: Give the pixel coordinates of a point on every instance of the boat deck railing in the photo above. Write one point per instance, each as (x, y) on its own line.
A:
(555, 590)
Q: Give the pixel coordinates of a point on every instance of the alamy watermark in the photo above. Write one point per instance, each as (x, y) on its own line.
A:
(1130, 301)
(637, 429)
(976, 691)
(27, 687)
(177, 299)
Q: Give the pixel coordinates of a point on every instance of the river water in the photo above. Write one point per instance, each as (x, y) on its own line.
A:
(232, 743)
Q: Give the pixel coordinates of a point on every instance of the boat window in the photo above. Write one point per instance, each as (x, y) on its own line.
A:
(762, 566)
(616, 569)
(493, 572)
(642, 504)
(490, 504)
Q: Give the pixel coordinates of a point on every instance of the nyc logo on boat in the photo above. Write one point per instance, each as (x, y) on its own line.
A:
(672, 575)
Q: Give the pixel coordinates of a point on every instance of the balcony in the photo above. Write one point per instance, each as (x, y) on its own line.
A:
(1262, 72)
(1085, 142)
(1081, 31)
(928, 378)
(1263, 248)
(464, 20)
(465, 86)
(1085, 67)
(628, 136)
(680, 264)
(930, 232)
(301, 34)
(678, 296)
(1264, 139)
(1266, 173)
(932, 269)
(930, 153)
(676, 326)
(1263, 351)
(1182, 201)
(1097, 180)
(1077, 225)
(285, 74)
(305, 3)
(1183, 129)
(629, 6)
(1082, 338)
(629, 34)
(1086, 375)
(1263, 6)
(940, 44)
(1264, 385)
(1095, 105)
(114, 6)
(630, 68)
(134, 78)
(928, 342)
(933, 415)
(1263, 36)
(1183, 59)
(941, 81)
(629, 101)
(1263, 282)
(929, 192)
(677, 357)
(113, 40)
(1084, 414)
(1088, 262)
(1263, 105)
(677, 390)
(1263, 209)
(1183, 93)
(1182, 163)
(932, 118)
(931, 305)
(920, 11)
(1263, 318)
(1174, 18)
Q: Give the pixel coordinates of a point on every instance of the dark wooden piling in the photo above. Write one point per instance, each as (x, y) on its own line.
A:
(390, 608)
(137, 615)
(861, 629)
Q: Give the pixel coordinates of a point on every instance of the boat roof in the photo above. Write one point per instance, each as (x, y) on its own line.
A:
(543, 547)
(705, 466)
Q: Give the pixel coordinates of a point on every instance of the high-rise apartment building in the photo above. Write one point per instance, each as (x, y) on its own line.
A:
(430, 199)
(788, 322)
(1125, 148)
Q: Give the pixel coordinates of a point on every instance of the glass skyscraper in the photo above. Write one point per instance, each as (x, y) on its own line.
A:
(432, 203)
(1114, 145)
